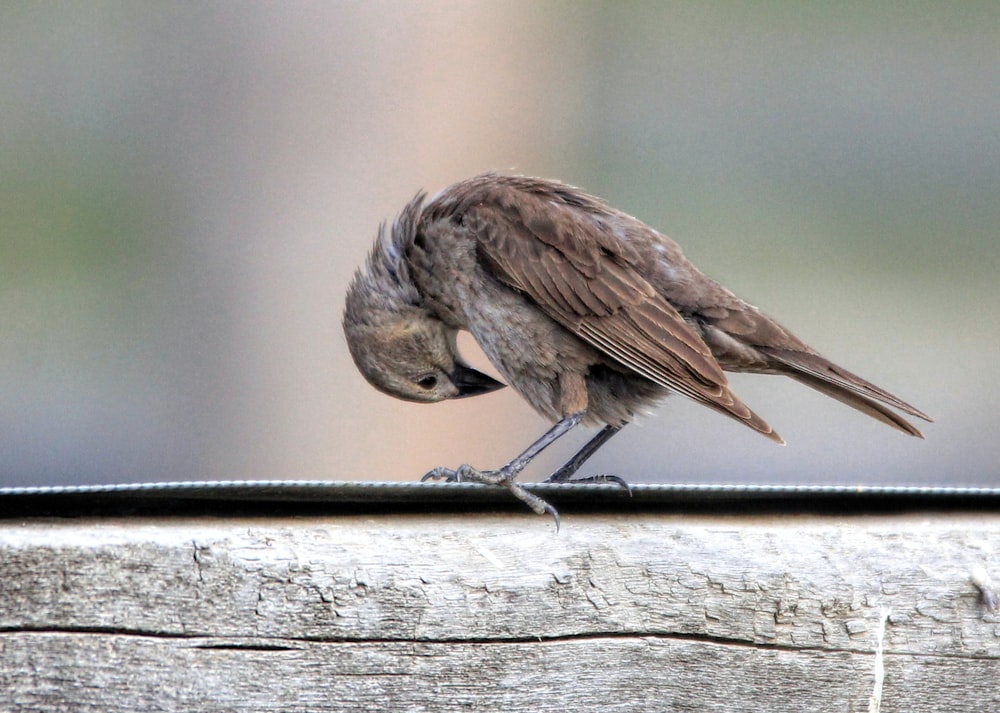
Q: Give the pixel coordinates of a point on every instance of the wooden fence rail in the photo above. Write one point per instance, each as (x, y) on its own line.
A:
(498, 612)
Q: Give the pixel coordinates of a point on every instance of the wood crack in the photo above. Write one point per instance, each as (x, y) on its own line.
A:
(268, 643)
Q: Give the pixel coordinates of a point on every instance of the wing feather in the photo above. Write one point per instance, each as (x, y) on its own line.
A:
(573, 302)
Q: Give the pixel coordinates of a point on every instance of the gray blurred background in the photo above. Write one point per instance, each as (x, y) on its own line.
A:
(186, 189)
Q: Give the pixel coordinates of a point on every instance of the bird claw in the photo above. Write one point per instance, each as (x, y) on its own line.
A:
(446, 474)
(534, 502)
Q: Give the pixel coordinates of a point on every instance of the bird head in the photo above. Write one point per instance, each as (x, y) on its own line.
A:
(412, 356)
(399, 346)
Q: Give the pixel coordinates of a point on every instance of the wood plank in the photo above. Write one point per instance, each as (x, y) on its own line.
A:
(433, 612)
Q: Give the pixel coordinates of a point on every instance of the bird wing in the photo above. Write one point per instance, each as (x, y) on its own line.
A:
(569, 260)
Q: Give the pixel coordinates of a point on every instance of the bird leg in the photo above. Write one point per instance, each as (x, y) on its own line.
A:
(567, 471)
(506, 475)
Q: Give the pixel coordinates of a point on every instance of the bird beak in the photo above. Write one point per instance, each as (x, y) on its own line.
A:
(470, 382)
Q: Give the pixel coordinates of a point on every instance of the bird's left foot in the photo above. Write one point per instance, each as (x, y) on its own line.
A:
(504, 476)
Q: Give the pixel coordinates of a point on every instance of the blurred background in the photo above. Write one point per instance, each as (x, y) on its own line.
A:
(186, 189)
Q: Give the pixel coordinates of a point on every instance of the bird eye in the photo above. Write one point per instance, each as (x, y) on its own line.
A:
(427, 382)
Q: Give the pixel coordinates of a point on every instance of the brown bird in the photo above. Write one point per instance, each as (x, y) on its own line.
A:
(590, 314)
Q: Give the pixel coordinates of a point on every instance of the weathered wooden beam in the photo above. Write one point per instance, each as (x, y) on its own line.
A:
(444, 611)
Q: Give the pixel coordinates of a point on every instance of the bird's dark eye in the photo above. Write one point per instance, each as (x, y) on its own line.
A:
(427, 382)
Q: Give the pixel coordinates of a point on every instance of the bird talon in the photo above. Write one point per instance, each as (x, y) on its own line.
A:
(554, 513)
(614, 479)
(539, 506)
(603, 478)
(446, 474)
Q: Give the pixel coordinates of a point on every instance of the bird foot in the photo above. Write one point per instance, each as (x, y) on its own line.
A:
(504, 477)
(467, 474)
(567, 479)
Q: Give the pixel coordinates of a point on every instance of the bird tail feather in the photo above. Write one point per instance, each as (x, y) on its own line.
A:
(818, 373)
